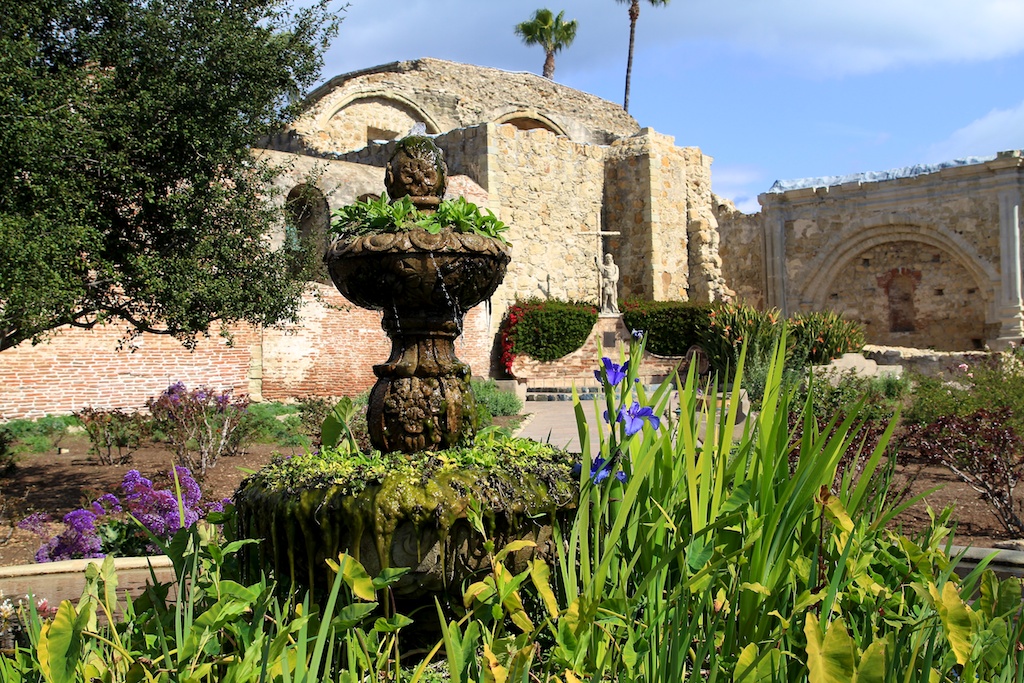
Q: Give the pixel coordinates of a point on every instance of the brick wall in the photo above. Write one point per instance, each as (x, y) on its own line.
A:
(330, 353)
(80, 368)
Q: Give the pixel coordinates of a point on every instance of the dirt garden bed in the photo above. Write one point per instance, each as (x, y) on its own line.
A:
(56, 483)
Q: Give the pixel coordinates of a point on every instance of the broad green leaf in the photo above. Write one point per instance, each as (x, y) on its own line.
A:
(60, 644)
(349, 569)
(957, 622)
(751, 670)
(351, 615)
(392, 623)
(872, 665)
(540, 575)
(830, 657)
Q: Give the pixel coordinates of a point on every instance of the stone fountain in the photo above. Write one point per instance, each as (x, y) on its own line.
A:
(423, 283)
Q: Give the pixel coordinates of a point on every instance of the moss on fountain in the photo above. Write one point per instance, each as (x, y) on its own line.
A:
(397, 510)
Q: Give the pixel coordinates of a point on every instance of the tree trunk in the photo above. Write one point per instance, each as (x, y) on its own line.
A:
(634, 14)
(549, 65)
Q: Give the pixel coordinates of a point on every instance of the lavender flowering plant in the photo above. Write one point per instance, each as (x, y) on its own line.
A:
(118, 525)
(201, 424)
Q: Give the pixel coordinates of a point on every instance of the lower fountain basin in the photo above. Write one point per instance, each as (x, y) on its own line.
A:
(404, 520)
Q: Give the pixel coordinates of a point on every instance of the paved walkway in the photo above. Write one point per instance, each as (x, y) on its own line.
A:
(554, 422)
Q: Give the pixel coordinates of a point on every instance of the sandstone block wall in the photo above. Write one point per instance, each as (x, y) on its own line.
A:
(343, 112)
(925, 260)
(741, 249)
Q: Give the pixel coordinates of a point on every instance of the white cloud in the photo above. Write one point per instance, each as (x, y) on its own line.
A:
(739, 183)
(806, 36)
(999, 130)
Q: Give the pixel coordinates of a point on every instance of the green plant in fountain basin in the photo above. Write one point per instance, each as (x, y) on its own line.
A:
(380, 215)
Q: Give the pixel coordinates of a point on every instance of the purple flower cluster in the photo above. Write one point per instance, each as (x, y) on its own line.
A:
(156, 509)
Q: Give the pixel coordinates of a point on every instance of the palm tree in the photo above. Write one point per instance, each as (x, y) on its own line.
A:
(634, 14)
(550, 32)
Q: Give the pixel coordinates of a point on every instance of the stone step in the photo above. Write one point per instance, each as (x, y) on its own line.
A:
(591, 393)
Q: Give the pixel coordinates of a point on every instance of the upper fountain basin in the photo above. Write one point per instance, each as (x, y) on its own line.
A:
(416, 269)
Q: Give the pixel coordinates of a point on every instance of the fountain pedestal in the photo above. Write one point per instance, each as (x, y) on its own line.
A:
(423, 282)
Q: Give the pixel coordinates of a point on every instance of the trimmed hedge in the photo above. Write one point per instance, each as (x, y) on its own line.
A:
(672, 327)
(545, 329)
(550, 329)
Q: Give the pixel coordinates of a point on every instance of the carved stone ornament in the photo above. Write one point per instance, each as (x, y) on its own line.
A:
(417, 170)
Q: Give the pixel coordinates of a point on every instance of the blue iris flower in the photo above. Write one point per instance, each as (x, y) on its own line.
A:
(600, 470)
(634, 417)
(613, 372)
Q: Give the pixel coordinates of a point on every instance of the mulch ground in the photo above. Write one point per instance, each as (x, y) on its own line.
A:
(56, 483)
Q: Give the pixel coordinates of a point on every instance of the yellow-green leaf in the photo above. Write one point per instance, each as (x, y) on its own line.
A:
(957, 622)
(830, 657)
(355, 576)
(540, 575)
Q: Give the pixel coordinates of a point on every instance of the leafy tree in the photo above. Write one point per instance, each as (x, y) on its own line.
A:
(550, 32)
(634, 14)
(130, 190)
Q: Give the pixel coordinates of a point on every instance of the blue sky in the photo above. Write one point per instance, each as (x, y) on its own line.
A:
(771, 90)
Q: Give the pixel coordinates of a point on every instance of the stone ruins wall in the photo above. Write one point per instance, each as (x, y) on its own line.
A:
(549, 191)
(931, 260)
(344, 113)
(553, 163)
(658, 197)
(741, 249)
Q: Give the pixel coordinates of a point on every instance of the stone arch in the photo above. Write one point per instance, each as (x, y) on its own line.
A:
(815, 287)
(307, 220)
(879, 268)
(528, 119)
(373, 115)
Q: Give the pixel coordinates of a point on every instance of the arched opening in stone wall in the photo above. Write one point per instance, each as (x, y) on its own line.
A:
(307, 219)
(909, 293)
(372, 118)
(529, 121)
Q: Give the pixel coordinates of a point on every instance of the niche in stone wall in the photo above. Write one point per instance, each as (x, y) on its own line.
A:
(899, 285)
(307, 218)
(904, 296)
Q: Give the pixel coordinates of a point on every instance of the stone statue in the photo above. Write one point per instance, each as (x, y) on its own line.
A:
(609, 285)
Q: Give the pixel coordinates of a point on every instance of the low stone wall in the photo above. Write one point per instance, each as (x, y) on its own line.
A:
(923, 361)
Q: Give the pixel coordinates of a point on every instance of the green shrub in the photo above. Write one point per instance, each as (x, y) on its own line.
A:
(732, 325)
(264, 424)
(672, 327)
(313, 410)
(499, 403)
(39, 436)
(881, 396)
(820, 336)
(113, 434)
(545, 329)
(7, 457)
